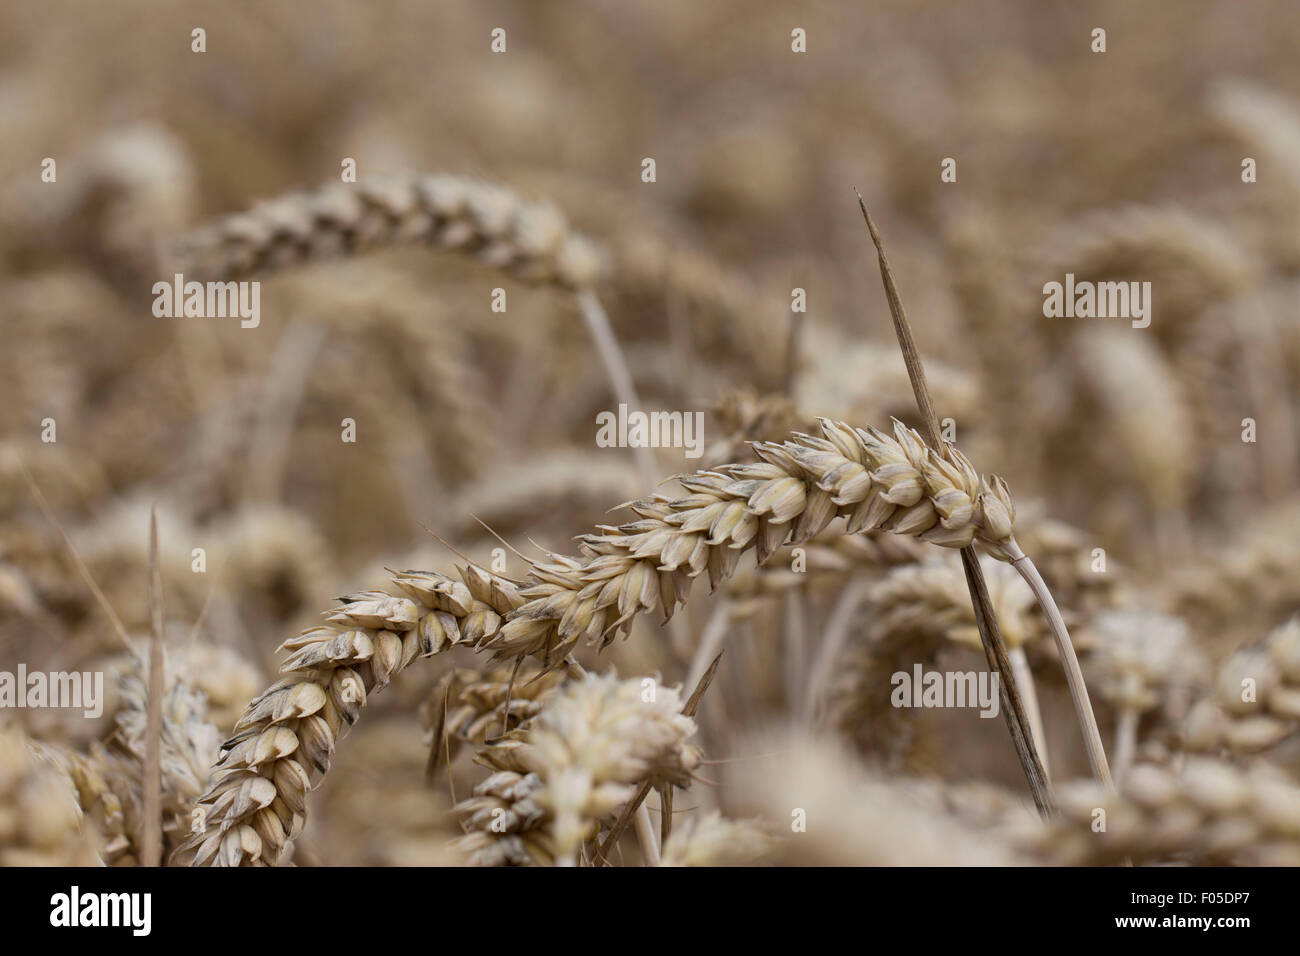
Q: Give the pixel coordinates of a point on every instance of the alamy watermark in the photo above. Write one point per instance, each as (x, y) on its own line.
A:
(209, 300)
(638, 429)
(1098, 300)
(35, 689)
(77, 909)
(923, 688)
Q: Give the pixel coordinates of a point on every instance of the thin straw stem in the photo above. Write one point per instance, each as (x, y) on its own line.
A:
(1073, 673)
(1029, 694)
(646, 836)
(151, 843)
(620, 379)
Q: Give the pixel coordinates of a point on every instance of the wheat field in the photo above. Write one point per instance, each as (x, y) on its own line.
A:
(489, 434)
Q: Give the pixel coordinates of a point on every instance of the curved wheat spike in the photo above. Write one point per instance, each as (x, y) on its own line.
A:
(286, 738)
(530, 240)
(533, 240)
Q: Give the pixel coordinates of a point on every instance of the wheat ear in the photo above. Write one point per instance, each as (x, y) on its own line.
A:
(531, 240)
(572, 766)
(256, 803)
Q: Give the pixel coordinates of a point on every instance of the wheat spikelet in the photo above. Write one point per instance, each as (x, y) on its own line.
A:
(794, 491)
(572, 766)
(40, 822)
(1212, 813)
(448, 212)
(473, 706)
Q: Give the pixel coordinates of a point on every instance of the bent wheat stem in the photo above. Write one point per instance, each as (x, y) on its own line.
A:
(1073, 674)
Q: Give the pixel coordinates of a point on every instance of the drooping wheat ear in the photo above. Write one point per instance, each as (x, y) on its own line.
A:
(1196, 258)
(475, 706)
(575, 764)
(40, 823)
(713, 840)
(256, 803)
(1214, 813)
(796, 489)
(914, 611)
(1256, 700)
(931, 596)
(533, 240)
(1141, 660)
(111, 778)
